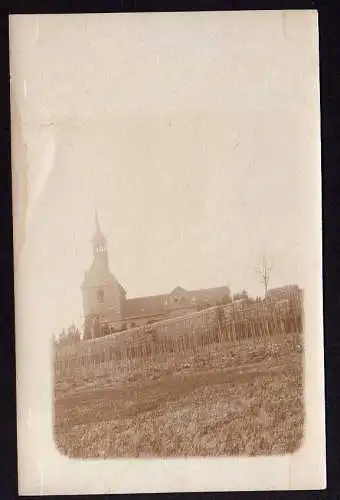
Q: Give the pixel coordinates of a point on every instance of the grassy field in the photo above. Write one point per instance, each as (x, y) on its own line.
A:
(225, 400)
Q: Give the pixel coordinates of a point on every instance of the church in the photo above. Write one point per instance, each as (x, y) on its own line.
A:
(107, 310)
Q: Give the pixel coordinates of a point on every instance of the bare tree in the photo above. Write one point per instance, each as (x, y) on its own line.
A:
(264, 270)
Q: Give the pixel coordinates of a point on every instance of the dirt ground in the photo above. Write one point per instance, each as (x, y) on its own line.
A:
(243, 402)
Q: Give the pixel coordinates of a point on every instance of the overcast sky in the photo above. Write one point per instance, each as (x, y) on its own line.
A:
(195, 136)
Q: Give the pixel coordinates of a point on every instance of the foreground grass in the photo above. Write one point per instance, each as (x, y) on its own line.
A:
(211, 406)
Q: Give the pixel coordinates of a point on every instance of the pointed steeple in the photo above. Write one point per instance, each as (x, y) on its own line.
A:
(96, 221)
(99, 245)
(98, 235)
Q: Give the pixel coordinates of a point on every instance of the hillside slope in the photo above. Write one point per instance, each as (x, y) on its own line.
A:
(246, 401)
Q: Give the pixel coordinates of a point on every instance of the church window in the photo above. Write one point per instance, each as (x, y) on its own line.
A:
(100, 295)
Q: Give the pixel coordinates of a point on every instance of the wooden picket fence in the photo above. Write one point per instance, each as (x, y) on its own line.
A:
(166, 341)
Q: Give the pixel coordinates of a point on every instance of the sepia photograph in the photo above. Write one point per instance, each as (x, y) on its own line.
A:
(167, 237)
(189, 372)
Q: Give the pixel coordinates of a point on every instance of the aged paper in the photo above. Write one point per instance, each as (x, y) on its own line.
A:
(167, 237)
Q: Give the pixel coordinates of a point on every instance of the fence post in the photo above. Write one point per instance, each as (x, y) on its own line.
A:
(252, 333)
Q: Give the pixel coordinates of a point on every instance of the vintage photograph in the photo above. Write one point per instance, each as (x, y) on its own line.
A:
(190, 372)
(167, 231)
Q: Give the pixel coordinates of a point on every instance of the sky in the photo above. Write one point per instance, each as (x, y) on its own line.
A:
(196, 138)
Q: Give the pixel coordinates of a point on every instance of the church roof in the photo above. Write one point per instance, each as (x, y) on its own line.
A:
(96, 276)
(99, 274)
(97, 279)
(98, 236)
(144, 306)
(158, 304)
(216, 292)
(212, 293)
(178, 290)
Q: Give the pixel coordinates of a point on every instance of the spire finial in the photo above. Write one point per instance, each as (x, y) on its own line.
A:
(96, 220)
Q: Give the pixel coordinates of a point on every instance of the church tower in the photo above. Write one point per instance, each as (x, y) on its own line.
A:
(103, 297)
(99, 247)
